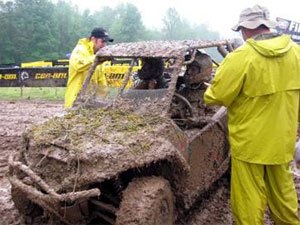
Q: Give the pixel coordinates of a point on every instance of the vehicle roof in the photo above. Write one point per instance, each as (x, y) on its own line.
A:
(161, 49)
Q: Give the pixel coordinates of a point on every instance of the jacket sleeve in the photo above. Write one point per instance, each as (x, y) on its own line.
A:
(81, 60)
(227, 83)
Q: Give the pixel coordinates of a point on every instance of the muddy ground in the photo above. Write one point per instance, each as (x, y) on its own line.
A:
(16, 116)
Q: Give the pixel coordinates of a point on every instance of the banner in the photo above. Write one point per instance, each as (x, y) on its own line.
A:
(289, 27)
(42, 74)
(34, 77)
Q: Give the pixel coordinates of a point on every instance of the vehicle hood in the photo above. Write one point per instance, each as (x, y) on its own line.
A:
(89, 146)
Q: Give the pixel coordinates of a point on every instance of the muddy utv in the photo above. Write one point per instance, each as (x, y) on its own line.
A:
(128, 156)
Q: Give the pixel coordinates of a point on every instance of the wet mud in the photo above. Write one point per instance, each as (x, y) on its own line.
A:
(16, 117)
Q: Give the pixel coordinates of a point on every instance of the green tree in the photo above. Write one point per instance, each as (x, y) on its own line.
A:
(39, 29)
(7, 30)
(105, 17)
(127, 26)
(29, 28)
(152, 34)
(172, 25)
(177, 28)
(67, 25)
(35, 29)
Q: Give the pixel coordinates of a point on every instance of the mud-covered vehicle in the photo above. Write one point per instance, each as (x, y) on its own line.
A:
(128, 156)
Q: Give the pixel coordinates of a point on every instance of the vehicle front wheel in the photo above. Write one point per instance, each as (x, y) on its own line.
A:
(147, 201)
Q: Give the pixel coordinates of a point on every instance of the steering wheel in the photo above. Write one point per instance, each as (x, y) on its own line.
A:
(181, 109)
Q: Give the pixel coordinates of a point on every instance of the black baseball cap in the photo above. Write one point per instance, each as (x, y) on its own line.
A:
(99, 32)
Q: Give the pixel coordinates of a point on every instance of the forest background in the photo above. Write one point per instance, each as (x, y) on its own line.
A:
(33, 30)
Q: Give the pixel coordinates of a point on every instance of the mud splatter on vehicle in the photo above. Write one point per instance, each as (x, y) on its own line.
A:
(123, 157)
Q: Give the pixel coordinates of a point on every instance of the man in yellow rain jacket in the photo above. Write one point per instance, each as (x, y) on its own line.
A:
(80, 61)
(260, 83)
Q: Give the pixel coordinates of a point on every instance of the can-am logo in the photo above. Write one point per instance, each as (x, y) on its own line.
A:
(24, 75)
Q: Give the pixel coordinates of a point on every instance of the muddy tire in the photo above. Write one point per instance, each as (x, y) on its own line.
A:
(147, 201)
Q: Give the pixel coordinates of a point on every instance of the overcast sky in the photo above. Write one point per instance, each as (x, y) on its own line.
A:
(218, 15)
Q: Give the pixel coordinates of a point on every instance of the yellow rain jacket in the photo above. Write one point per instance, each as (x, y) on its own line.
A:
(81, 59)
(259, 83)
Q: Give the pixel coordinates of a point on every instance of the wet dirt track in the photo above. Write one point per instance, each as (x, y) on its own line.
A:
(16, 116)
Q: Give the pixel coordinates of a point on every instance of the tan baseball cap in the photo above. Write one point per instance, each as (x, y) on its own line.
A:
(252, 18)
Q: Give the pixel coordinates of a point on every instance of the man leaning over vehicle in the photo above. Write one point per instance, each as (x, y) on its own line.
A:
(260, 84)
(81, 59)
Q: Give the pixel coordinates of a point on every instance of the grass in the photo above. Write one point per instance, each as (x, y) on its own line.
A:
(34, 93)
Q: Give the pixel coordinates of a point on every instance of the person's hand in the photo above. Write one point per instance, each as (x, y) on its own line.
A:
(100, 59)
(198, 121)
(192, 121)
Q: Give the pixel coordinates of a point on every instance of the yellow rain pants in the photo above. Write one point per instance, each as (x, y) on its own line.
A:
(254, 186)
